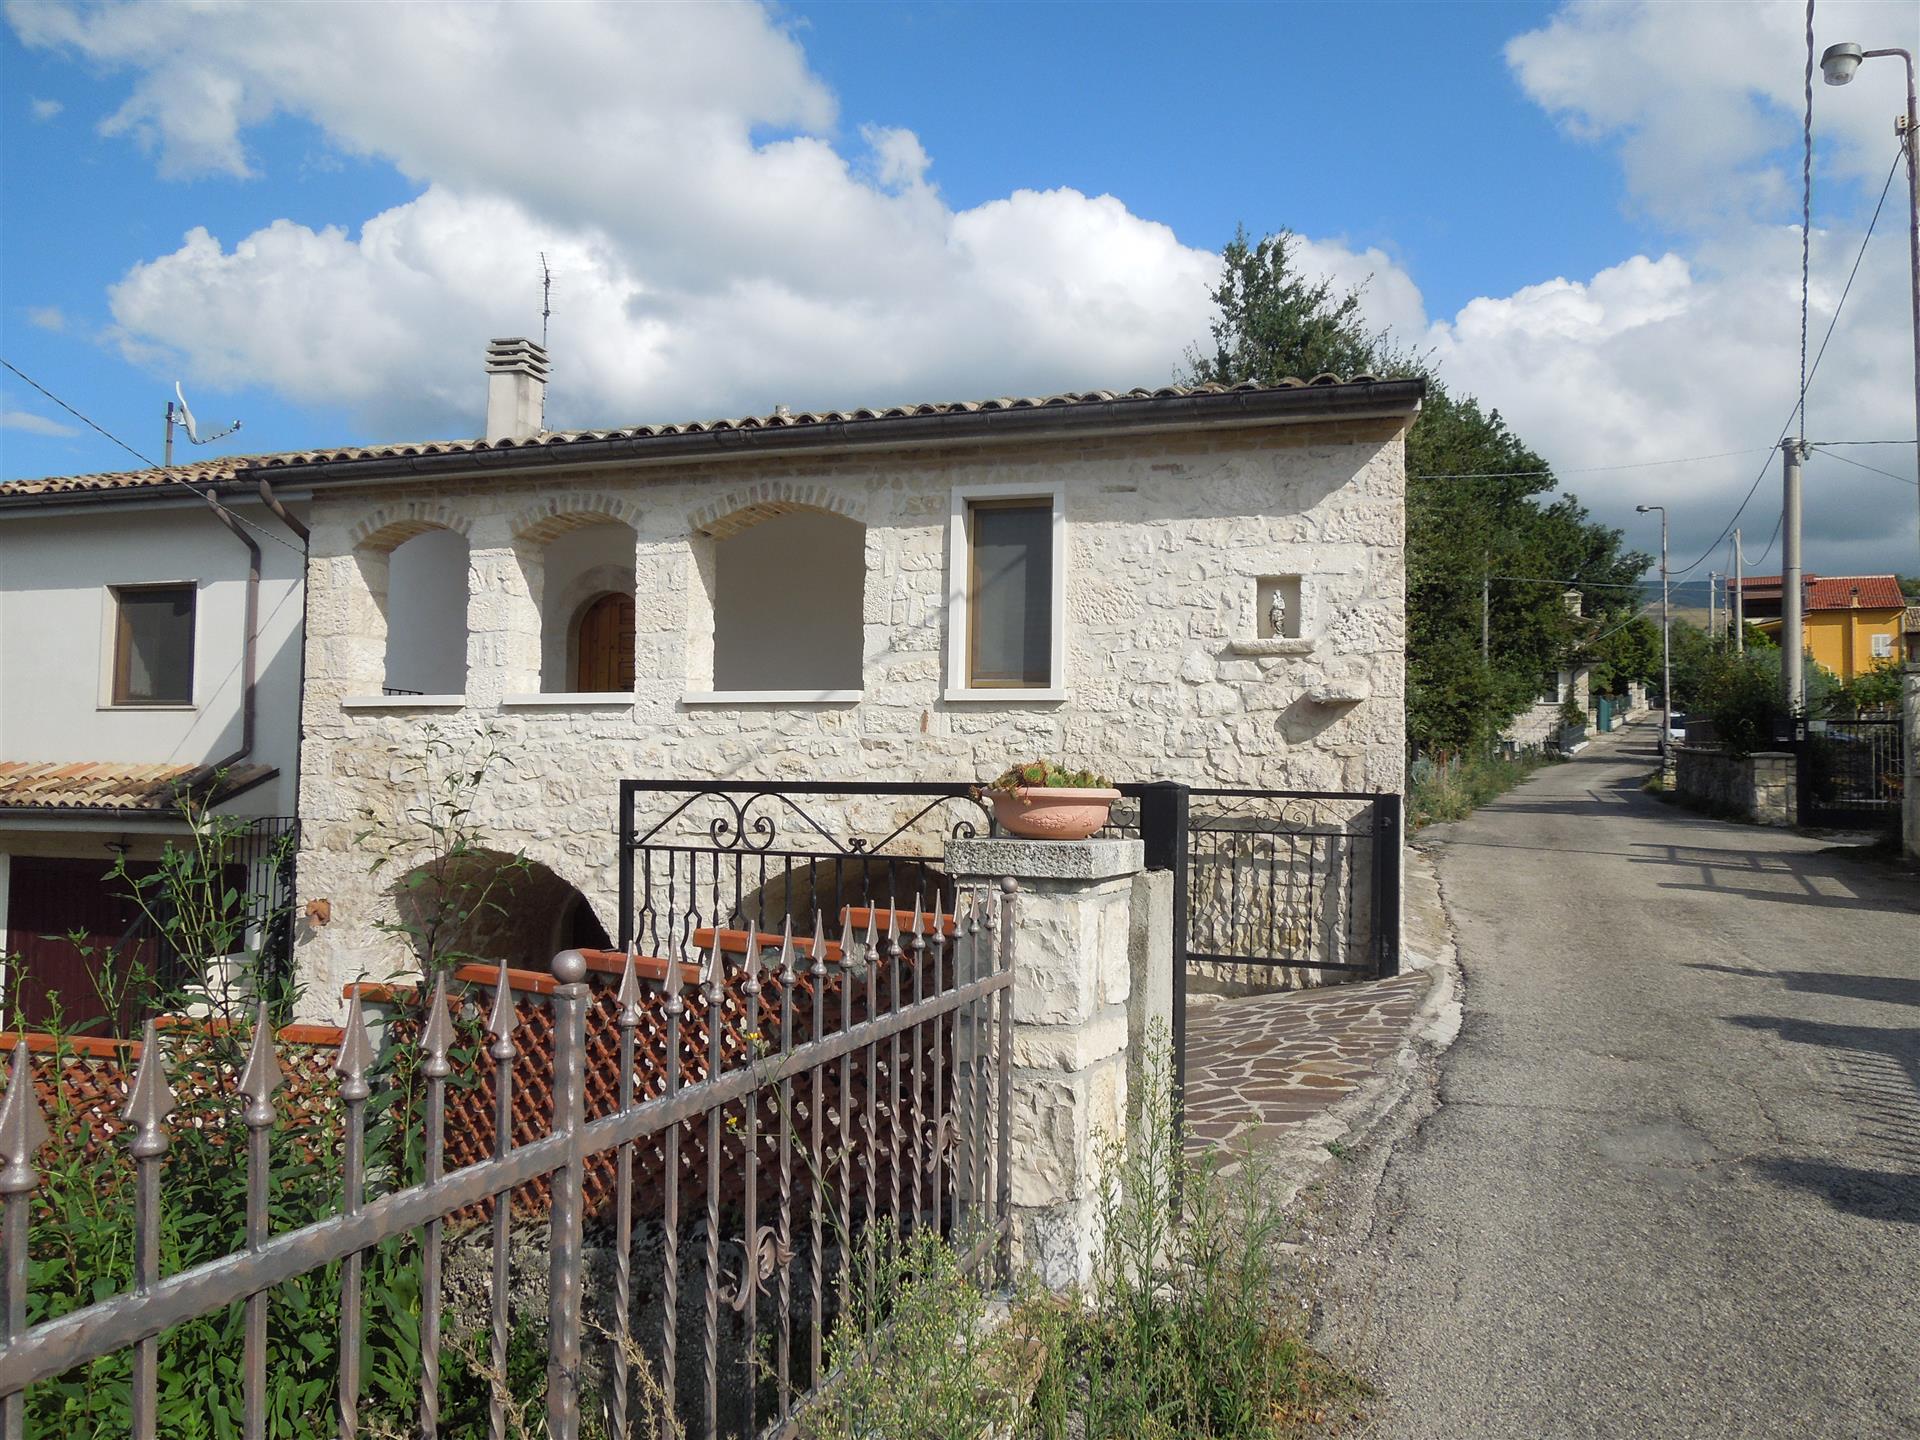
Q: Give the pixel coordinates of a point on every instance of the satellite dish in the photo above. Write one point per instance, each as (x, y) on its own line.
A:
(187, 423)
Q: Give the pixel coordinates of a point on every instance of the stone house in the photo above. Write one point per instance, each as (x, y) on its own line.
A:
(1200, 584)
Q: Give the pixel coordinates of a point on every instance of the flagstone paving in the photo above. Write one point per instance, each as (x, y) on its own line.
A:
(1260, 1065)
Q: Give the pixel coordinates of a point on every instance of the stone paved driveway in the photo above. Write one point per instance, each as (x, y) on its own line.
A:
(1262, 1064)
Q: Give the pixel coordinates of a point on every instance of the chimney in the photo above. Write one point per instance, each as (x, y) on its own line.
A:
(516, 390)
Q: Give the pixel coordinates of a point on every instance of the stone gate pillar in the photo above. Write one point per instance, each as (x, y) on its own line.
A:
(1072, 975)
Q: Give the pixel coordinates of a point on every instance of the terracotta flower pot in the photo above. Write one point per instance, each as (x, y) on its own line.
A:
(1042, 812)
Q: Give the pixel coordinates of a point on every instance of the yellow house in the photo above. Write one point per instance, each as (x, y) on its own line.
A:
(1850, 623)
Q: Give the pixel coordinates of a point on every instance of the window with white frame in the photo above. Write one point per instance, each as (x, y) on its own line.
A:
(153, 644)
(1006, 635)
(1883, 647)
(1550, 688)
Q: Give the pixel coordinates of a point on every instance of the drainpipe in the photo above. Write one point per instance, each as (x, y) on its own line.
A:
(272, 502)
(250, 636)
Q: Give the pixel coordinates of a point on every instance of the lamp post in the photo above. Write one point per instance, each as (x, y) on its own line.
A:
(1666, 638)
(1837, 66)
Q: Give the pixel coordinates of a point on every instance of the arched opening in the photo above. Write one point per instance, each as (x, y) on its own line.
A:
(602, 645)
(426, 607)
(587, 610)
(788, 596)
(487, 906)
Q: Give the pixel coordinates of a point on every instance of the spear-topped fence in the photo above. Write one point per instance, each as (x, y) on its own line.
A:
(889, 1089)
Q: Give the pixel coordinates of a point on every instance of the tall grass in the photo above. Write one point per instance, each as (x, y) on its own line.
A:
(1454, 789)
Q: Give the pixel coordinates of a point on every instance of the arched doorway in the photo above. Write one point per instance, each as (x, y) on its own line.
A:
(604, 645)
(487, 906)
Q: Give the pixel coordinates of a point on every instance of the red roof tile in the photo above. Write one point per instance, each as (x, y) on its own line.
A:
(1832, 592)
(106, 785)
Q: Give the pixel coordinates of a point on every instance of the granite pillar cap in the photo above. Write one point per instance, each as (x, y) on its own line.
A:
(1046, 859)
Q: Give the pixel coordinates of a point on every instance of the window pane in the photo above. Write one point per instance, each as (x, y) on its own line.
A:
(1010, 607)
(154, 663)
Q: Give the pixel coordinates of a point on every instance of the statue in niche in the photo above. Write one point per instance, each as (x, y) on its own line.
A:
(1277, 614)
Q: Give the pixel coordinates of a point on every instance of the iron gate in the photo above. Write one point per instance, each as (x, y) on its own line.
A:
(1851, 772)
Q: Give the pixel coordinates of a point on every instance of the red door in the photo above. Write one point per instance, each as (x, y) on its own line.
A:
(72, 931)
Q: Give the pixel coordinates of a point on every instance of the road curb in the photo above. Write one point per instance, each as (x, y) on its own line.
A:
(1427, 944)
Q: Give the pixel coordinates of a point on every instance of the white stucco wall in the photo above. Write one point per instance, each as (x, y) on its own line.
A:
(1167, 539)
(56, 640)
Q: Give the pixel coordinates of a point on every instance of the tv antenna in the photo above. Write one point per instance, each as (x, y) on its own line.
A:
(546, 297)
(183, 417)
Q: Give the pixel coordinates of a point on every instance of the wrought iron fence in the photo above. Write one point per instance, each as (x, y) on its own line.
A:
(1852, 772)
(812, 1125)
(737, 859)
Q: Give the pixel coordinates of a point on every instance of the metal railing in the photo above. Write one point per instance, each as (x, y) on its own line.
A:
(732, 1080)
(742, 857)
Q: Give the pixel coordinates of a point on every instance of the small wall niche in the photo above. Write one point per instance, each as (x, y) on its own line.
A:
(1286, 590)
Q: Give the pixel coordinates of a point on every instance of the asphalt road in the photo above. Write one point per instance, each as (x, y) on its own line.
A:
(1667, 1180)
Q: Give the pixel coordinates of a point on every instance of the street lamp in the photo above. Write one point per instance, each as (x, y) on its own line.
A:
(1837, 65)
(1666, 637)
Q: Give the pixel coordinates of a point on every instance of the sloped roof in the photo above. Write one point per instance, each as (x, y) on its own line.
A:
(1833, 592)
(231, 468)
(107, 785)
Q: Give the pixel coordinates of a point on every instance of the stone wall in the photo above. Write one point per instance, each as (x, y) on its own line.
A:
(1758, 787)
(1168, 537)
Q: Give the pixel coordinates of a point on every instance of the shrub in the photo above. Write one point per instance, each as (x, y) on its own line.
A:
(1034, 774)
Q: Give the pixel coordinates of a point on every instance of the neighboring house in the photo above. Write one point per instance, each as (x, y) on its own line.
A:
(129, 681)
(1201, 584)
(1850, 623)
(1541, 722)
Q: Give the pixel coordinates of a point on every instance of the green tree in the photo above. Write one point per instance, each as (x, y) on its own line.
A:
(1273, 322)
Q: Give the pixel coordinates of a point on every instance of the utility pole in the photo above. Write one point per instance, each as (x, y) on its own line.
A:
(1739, 603)
(1486, 597)
(1666, 638)
(1792, 636)
(1713, 611)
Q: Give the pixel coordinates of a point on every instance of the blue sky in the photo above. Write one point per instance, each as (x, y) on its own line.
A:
(846, 204)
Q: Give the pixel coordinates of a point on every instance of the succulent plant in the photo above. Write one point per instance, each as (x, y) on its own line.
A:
(1047, 774)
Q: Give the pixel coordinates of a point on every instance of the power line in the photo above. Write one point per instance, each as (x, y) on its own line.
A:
(1727, 529)
(1582, 469)
(1589, 584)
(166, 473)
(1806, 227)
(1859, 465)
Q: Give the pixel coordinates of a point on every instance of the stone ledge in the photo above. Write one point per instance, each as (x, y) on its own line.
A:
(1046, 859)
(1272, 645)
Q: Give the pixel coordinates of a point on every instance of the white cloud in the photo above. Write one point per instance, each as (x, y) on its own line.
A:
(47, 317)
(719, 245)
(45, 110)
(32, 424)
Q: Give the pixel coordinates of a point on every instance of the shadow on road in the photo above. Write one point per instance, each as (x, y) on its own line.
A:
(1892, 989)
(1870, 1194)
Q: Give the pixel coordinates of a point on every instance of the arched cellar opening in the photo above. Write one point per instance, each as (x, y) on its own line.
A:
(487, 906)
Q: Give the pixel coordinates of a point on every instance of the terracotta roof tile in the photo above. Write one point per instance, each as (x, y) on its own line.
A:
(1833, 592)
(232, 467)
(105, 785)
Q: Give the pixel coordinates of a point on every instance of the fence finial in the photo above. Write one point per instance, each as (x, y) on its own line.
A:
(151, 1100)
(629, 995)
(23, 1126)
(819, 966)
(786, 954)
(754, 962)
(437, 1039)
(262, 1076)
(356, 1053)
(710, 975)
(504, 1019)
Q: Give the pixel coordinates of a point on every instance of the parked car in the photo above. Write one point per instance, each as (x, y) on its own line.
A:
(1676, 732)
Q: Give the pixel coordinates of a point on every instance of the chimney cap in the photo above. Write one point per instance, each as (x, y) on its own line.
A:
(517, 355)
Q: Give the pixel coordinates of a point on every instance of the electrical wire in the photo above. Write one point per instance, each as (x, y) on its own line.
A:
(1859, 465)
(1583, 469)
(1806, 227)
(1859, 255)
(166, 471)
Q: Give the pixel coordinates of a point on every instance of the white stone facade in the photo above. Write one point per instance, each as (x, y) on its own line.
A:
(1169, 537)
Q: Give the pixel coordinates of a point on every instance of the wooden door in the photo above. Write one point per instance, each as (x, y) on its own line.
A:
(606, 646)
(51, 902)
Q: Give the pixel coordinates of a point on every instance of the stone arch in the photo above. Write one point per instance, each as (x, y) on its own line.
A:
(391, 526)
(489, 906)
(741, 509)
(553, 516)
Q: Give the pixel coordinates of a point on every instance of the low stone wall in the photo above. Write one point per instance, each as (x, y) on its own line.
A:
(1758, 787)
